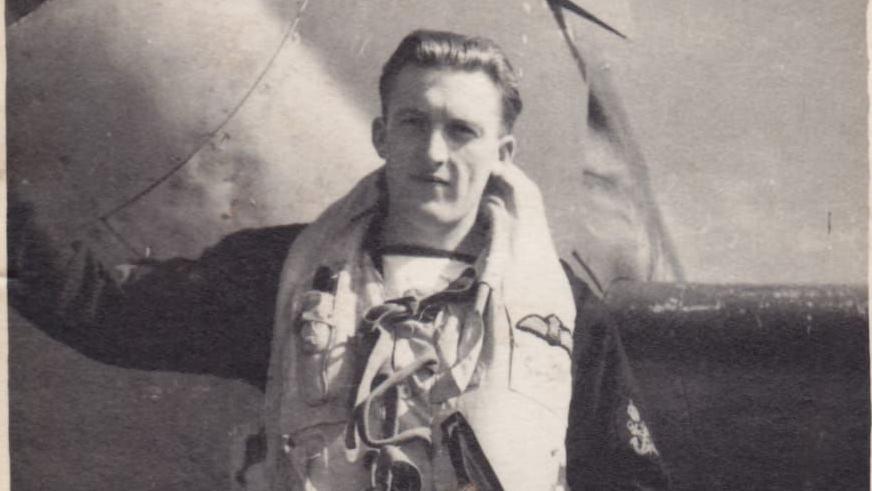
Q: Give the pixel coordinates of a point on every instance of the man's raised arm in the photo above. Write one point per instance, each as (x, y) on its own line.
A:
(210, 315)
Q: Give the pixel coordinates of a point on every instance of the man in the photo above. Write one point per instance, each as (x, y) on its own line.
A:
(420, 334)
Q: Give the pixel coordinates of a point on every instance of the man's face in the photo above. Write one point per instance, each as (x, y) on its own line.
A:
(440, 138)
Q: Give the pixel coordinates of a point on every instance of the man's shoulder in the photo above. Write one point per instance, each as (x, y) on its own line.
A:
(265, 248)
(593, 317)
(254, 248)
(581, 290)
(275, 237)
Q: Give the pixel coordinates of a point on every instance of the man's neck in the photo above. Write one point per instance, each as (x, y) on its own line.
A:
(461, 236)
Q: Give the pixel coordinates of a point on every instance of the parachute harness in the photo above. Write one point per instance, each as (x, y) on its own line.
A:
(413, 320)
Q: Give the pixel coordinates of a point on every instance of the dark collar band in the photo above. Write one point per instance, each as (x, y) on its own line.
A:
(423, 251)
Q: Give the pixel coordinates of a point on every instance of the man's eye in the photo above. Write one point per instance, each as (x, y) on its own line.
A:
(462, 131)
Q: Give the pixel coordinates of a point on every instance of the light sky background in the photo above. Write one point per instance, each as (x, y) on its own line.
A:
(753, 117)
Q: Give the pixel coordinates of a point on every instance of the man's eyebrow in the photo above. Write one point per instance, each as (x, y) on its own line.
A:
(413, 111)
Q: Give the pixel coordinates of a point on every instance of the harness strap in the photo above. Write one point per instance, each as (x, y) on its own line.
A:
(361, 412)
(471, 466)
(392, 470)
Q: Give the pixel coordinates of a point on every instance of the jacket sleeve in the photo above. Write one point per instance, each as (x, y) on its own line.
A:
(210, 315)
(609, 445)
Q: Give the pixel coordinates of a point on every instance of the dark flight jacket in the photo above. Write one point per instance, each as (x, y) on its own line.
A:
(214, 315)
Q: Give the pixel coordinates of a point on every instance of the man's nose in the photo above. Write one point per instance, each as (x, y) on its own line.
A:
(437, 147)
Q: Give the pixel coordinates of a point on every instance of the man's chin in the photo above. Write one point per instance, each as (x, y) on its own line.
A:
(435, 214)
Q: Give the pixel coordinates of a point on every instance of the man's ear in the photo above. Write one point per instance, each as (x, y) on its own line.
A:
(379, 136)
(507, 148)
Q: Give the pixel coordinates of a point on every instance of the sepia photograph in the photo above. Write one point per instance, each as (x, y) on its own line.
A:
(384, 245)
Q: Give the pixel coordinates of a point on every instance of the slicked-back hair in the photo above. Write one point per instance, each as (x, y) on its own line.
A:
(443, 49)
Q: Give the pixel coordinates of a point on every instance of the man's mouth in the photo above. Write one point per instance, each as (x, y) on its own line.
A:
(429, 179)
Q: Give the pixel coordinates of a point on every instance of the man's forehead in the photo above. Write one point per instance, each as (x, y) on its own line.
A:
(466, 92)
